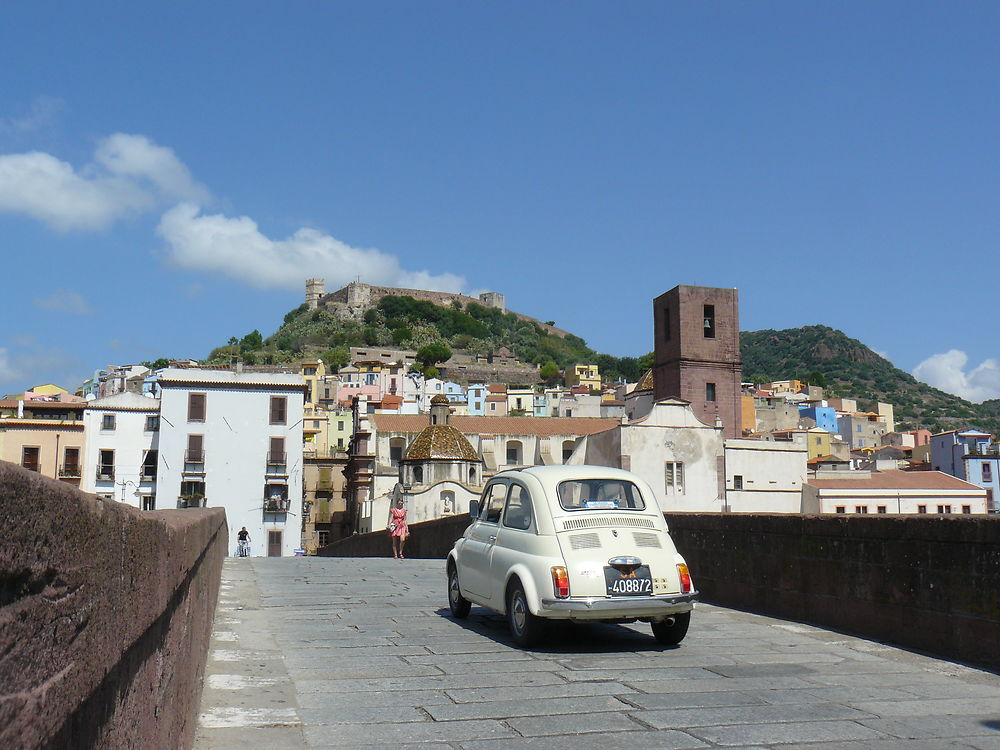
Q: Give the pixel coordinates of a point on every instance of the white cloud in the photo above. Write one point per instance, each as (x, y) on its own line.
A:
(236, 247)
(947, 371)
(62, 301)
(40, 114)
(130, 174)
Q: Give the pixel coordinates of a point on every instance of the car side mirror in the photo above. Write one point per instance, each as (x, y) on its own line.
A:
(474, 508)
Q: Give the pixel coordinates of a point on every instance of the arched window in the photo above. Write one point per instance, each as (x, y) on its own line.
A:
(472, 475)
(514, 452)
(567, 449)
(396, 446)
(418, 474)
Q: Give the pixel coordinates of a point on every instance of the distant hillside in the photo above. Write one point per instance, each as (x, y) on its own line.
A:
(405, 322)
(846, 367)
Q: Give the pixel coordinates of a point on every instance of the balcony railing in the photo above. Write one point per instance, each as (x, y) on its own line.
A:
(191, 501)
(105, 473)
(194, 457)
(148, 472)
(276, 458)
(69, 471)
(275, 504)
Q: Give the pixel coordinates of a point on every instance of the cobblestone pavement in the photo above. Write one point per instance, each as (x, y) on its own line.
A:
(362, 653)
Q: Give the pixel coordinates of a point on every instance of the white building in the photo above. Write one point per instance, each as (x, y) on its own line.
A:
(122, 439)
(765, 476)
(677, 454)
(234, 440)
(892, 492)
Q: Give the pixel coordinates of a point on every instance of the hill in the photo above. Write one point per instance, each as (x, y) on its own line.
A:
(845, 367)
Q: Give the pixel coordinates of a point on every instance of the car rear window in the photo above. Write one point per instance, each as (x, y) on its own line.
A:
(600, 494)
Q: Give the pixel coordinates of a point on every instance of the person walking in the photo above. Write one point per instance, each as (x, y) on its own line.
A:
(398, 529)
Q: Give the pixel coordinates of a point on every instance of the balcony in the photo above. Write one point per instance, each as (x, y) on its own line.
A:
(148, 473)
(69, 471)
(192, 501)
(105, 473)
(276, 463)
(194, 457)
(276, 504)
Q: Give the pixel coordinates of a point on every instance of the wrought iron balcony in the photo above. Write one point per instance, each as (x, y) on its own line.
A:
(105, 473)
(275, 504)
(194, 457)
(69, 471)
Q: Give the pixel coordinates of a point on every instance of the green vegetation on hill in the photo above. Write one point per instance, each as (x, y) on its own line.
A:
(416, 324)
(847, 368)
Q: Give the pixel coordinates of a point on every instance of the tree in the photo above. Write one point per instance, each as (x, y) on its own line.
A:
(431, 354)
(233, 341)
(252, 341)
(549, 371)
(157, 364)
(336, 357)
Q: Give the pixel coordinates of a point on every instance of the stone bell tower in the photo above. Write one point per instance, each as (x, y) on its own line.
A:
(697, 352)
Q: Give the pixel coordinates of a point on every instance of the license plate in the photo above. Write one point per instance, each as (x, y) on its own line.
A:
(638, 582)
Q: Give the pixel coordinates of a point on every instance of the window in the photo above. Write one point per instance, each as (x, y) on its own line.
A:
(340, 425)
(666, 324)
(600, 494)
(196, 407)
(737, 481)
(152, 424)
(30, 457)
(862, 509)
(106, 465)
(396, 446)
(987, 471)
(71, 463)
(276, 451)
(517, 403)
(418, 474)
(493, 505)
(881, 509)
(673, 474)
(324, 538)
(709, 323)
(149, 502)
(841, 509)
(149, 464)
(569, 412)
(966, 509)
(517, 515)
(340, 442)
(710, 391)
(279, 408)
(195, 453)
(921, 509)
(514, 452)
(819, 441)
(108, 422)
(944, 509)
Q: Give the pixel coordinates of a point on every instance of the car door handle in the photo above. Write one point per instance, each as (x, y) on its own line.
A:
(493, 538)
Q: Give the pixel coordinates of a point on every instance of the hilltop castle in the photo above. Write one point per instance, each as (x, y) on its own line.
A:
(354, 299)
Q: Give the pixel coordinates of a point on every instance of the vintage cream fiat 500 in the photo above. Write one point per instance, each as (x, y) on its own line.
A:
(570, 543)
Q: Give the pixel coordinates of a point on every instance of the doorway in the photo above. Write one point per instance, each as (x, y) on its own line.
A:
(274, 544)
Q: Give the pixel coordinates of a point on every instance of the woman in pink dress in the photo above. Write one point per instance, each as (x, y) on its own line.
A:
(398, 530)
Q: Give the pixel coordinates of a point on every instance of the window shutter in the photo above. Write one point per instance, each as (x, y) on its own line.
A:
(195, 443)
(278, 408)
(196, 407)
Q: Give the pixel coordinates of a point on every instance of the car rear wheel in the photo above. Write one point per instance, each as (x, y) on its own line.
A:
(669, 631)
(459, 605)
(525, 628)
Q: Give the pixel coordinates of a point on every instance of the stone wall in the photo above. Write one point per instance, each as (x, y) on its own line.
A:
(928, 583)
(105, 617)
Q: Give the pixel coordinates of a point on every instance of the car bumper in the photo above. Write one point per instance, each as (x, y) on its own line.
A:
(597, 607)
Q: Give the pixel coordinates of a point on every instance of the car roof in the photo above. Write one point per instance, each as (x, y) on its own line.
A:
(549, 474)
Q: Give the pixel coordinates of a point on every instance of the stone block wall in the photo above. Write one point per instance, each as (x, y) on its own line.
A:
(105, 617)
(930, 583)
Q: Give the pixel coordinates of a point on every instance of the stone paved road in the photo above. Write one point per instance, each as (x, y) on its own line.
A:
(337, 653)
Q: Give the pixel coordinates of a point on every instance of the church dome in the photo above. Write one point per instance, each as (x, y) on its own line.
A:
(645, 382)
(441, 441)
(440, 400)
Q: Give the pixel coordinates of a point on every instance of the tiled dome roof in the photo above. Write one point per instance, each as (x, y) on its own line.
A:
(441, 441)
(440, 399)
(645, 382)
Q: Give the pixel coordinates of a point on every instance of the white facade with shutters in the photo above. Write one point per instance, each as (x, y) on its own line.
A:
(240, 449)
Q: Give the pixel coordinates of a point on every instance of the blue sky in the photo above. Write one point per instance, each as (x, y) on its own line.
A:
(170, 174)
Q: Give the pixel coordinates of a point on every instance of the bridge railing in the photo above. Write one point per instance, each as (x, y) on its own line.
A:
(928, 583)
(105, 617)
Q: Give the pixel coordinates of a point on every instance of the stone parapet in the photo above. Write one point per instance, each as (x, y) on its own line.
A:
(105, 617)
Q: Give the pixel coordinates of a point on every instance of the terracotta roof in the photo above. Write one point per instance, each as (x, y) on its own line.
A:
(895, 479)
(438, 400)
(472, 425)
(496, 397)
(828, 459)
(496, 388)
(441, 441)
(394, 399)
(10, 403)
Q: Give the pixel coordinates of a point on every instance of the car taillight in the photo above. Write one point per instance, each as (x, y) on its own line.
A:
(682, 571)
(560, 582)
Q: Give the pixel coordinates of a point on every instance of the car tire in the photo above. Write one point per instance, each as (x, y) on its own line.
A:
(525, 628)
(671, 633)
(458, 604)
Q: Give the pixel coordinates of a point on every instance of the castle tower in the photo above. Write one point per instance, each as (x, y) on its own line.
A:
(493, 299)
(314, 290)
(697, 352)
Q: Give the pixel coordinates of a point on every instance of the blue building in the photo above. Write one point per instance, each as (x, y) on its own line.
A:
(970, 455)
(476, 395)
(825, 417)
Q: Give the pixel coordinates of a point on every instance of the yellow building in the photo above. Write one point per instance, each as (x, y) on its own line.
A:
(579, 374)
(44, 436)
(314, 372)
